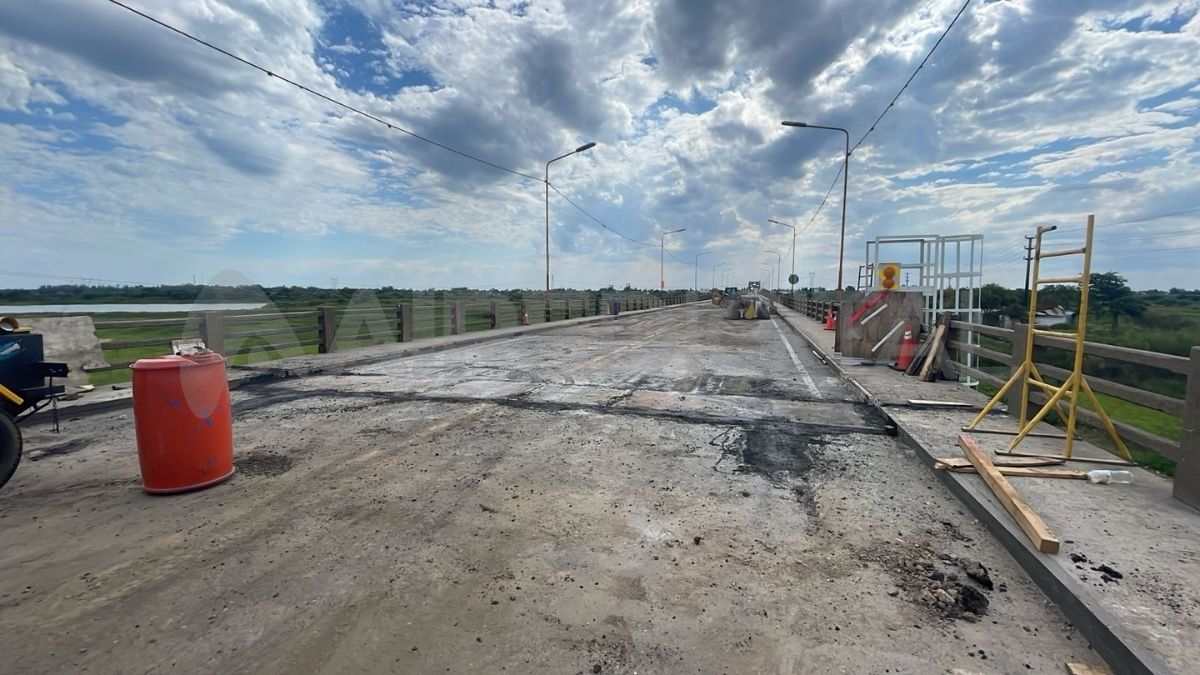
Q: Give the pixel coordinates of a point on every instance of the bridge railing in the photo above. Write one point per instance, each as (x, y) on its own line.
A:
(1153, 398)
(813, 308)
(246, 336)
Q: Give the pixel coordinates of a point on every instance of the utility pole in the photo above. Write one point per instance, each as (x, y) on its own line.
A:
(1028, 261)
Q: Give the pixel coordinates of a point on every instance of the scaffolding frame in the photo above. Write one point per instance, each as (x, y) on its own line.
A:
(1027, 373)
(943, 264)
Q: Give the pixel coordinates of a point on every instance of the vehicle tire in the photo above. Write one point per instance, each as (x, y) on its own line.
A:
(10, 447)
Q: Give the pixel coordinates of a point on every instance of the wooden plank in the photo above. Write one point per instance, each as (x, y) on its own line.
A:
(1028, 520)
(919, 357)
(1085, 669)
(935, 346)
(1073, 458)
(926, 403)
(1021, 471)
(1004, 461)
(933, 360)
(1006, 432)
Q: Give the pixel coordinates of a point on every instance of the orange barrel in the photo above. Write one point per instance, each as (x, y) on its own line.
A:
(184, 427)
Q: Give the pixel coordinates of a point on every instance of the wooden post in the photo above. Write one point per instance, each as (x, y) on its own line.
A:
(567, 311)
(524, 312)
(212, 331)
(1187, 471)
(404, 323)
(549, 310)
(326, 330)
(495, 314)
(458, 324)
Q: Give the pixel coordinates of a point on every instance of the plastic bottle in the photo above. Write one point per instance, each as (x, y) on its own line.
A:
(1107, 476)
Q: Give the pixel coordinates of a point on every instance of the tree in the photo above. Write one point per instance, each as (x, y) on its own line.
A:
(1110, 295)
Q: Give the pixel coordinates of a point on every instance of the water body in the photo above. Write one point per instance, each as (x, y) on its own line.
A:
(16, 310)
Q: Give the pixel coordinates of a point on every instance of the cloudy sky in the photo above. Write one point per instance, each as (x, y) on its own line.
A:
(131, 154)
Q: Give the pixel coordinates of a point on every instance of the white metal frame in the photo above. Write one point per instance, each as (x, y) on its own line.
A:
(943, 263)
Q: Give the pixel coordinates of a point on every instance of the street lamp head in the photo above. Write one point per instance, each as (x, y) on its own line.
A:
(585, 147)
(787, 123)
(674, 231)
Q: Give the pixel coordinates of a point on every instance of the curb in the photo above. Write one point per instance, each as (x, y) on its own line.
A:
(240, 376)
(1101, 629)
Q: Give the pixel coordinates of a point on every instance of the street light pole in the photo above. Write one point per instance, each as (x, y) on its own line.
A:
(582, 148)
(714, 274)
(696, 272)
(845, 182)
(790, 282)
(778, 268)
(662, 251)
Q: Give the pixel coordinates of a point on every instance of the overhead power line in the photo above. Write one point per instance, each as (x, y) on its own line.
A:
(63, 277)
(888, 108)
(321, 95)
(597, 220)
(912, 77)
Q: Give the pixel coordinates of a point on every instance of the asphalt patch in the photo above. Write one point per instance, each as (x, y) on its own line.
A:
(263, 463)
(778, 451)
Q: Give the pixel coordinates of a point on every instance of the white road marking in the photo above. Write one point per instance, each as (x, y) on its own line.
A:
(804, 376)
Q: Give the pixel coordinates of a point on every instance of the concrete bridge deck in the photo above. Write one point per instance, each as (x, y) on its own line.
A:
(666, 492)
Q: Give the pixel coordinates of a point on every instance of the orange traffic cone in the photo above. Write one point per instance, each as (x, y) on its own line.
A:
(908, 349)
(830, 320)
(525, 319)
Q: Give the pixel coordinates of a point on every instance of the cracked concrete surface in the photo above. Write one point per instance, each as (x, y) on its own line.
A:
(663, 493)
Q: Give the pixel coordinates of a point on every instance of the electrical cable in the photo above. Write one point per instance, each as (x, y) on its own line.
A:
(890, 105)
(322, 96)
(595, 219)
(913, 76)
(63, 277)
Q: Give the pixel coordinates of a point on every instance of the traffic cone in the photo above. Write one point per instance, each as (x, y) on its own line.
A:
(908, 349)
(525, 319)
(830, 320)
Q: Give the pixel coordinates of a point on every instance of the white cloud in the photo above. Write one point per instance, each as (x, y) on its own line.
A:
(128, 138)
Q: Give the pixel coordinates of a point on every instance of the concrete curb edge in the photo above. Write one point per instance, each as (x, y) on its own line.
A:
(1096, 624)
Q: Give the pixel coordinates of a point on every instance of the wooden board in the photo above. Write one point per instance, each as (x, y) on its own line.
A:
(1030, 522)
(925, 403)
(1073, 458)
(1021, 471)
(1085, 669)
(1001, 462)
(932, 366)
